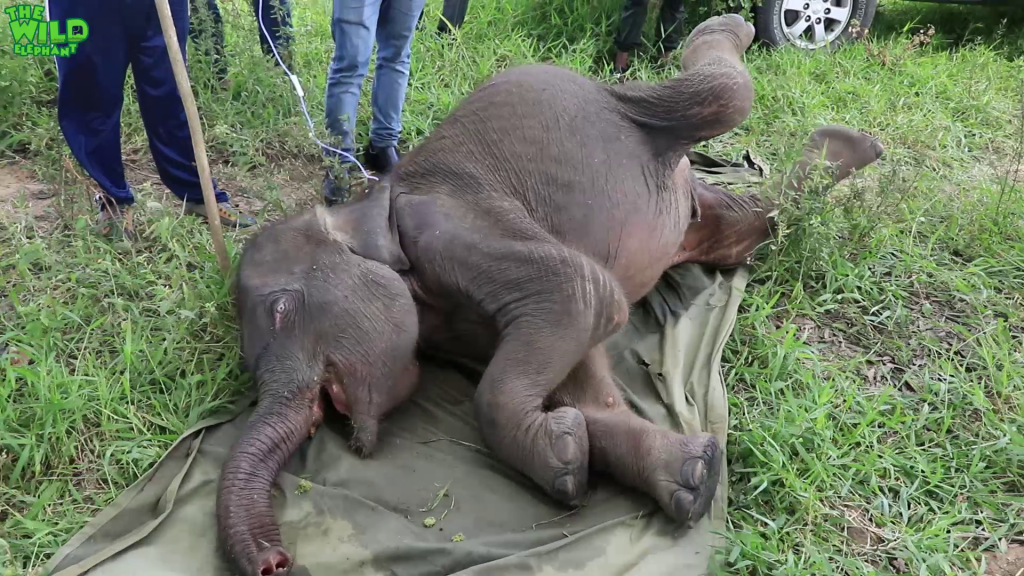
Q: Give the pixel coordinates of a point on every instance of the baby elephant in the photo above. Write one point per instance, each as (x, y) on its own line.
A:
(513, 240)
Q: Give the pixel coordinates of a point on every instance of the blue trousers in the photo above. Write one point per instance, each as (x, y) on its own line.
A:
(356, 24)
(90, 94)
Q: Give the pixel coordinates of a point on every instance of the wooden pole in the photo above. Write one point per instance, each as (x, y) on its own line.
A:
(198, 145)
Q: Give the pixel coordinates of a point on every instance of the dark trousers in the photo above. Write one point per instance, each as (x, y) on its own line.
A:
(277, 21)
(90, 94)
(208, 23)
(670, 25)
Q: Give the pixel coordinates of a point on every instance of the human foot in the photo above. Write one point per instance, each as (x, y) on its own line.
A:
(114, 221)
(381, 160)
(621, 65)
(337, 185)
(229, 215)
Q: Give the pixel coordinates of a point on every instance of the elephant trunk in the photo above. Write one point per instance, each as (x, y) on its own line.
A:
(250, 536)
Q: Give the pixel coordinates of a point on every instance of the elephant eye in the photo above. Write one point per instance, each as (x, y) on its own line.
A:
(282, 308)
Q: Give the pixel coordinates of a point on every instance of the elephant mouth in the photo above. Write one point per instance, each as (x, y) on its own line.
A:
(332, 393)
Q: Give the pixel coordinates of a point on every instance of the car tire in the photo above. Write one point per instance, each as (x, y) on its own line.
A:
(453, 14)
(770, 26)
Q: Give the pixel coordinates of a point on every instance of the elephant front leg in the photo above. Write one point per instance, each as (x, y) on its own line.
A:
(551, 305)
(680, 472)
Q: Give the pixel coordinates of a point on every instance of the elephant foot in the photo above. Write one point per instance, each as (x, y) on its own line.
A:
(273, 561)
(728, 34)
(562, 463)
(844, 149)
(685, 477)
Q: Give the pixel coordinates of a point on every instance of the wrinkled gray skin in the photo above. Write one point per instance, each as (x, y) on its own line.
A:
(512, 240)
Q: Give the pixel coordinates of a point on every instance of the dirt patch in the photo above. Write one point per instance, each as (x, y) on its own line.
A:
(830, 342)
(273, 189)
(1009, 563)
(21, 193)
(861, 531)
(269, 192)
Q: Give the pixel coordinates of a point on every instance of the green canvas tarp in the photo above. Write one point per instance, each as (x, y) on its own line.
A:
(341, 515)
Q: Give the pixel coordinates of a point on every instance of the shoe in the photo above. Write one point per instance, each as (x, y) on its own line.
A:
(621, 65)
(381, 160)
(114, 221)
(337, 186)
(229, 215)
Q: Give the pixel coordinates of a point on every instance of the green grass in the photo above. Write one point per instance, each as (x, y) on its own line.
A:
(876, 370)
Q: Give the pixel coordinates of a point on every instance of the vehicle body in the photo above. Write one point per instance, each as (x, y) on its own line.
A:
(806, 24)
(813, 24)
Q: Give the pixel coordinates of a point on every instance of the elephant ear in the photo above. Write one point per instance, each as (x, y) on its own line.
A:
(368, 227)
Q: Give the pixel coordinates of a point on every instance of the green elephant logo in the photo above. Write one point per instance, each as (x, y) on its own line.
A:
(34, 35)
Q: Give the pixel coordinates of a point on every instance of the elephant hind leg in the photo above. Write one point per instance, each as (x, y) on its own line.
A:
(844, 149)
(713, 95)
(726, 227)
(550, 304)
(680, 472)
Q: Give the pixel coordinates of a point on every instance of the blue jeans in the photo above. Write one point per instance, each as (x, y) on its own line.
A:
(354, 27)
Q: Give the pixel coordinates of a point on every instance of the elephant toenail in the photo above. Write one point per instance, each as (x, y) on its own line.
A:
(564, 489)
(682, 505)
(565, 449)
(694, 473)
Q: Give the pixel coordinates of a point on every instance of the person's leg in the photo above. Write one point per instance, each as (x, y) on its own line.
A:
(353, 25)
(194, 12)
(671, 21)
(90, 94)
(208, 19)
(274, 18)
(396, 26)
(212, 23)
(163, 113)
(631, 27)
